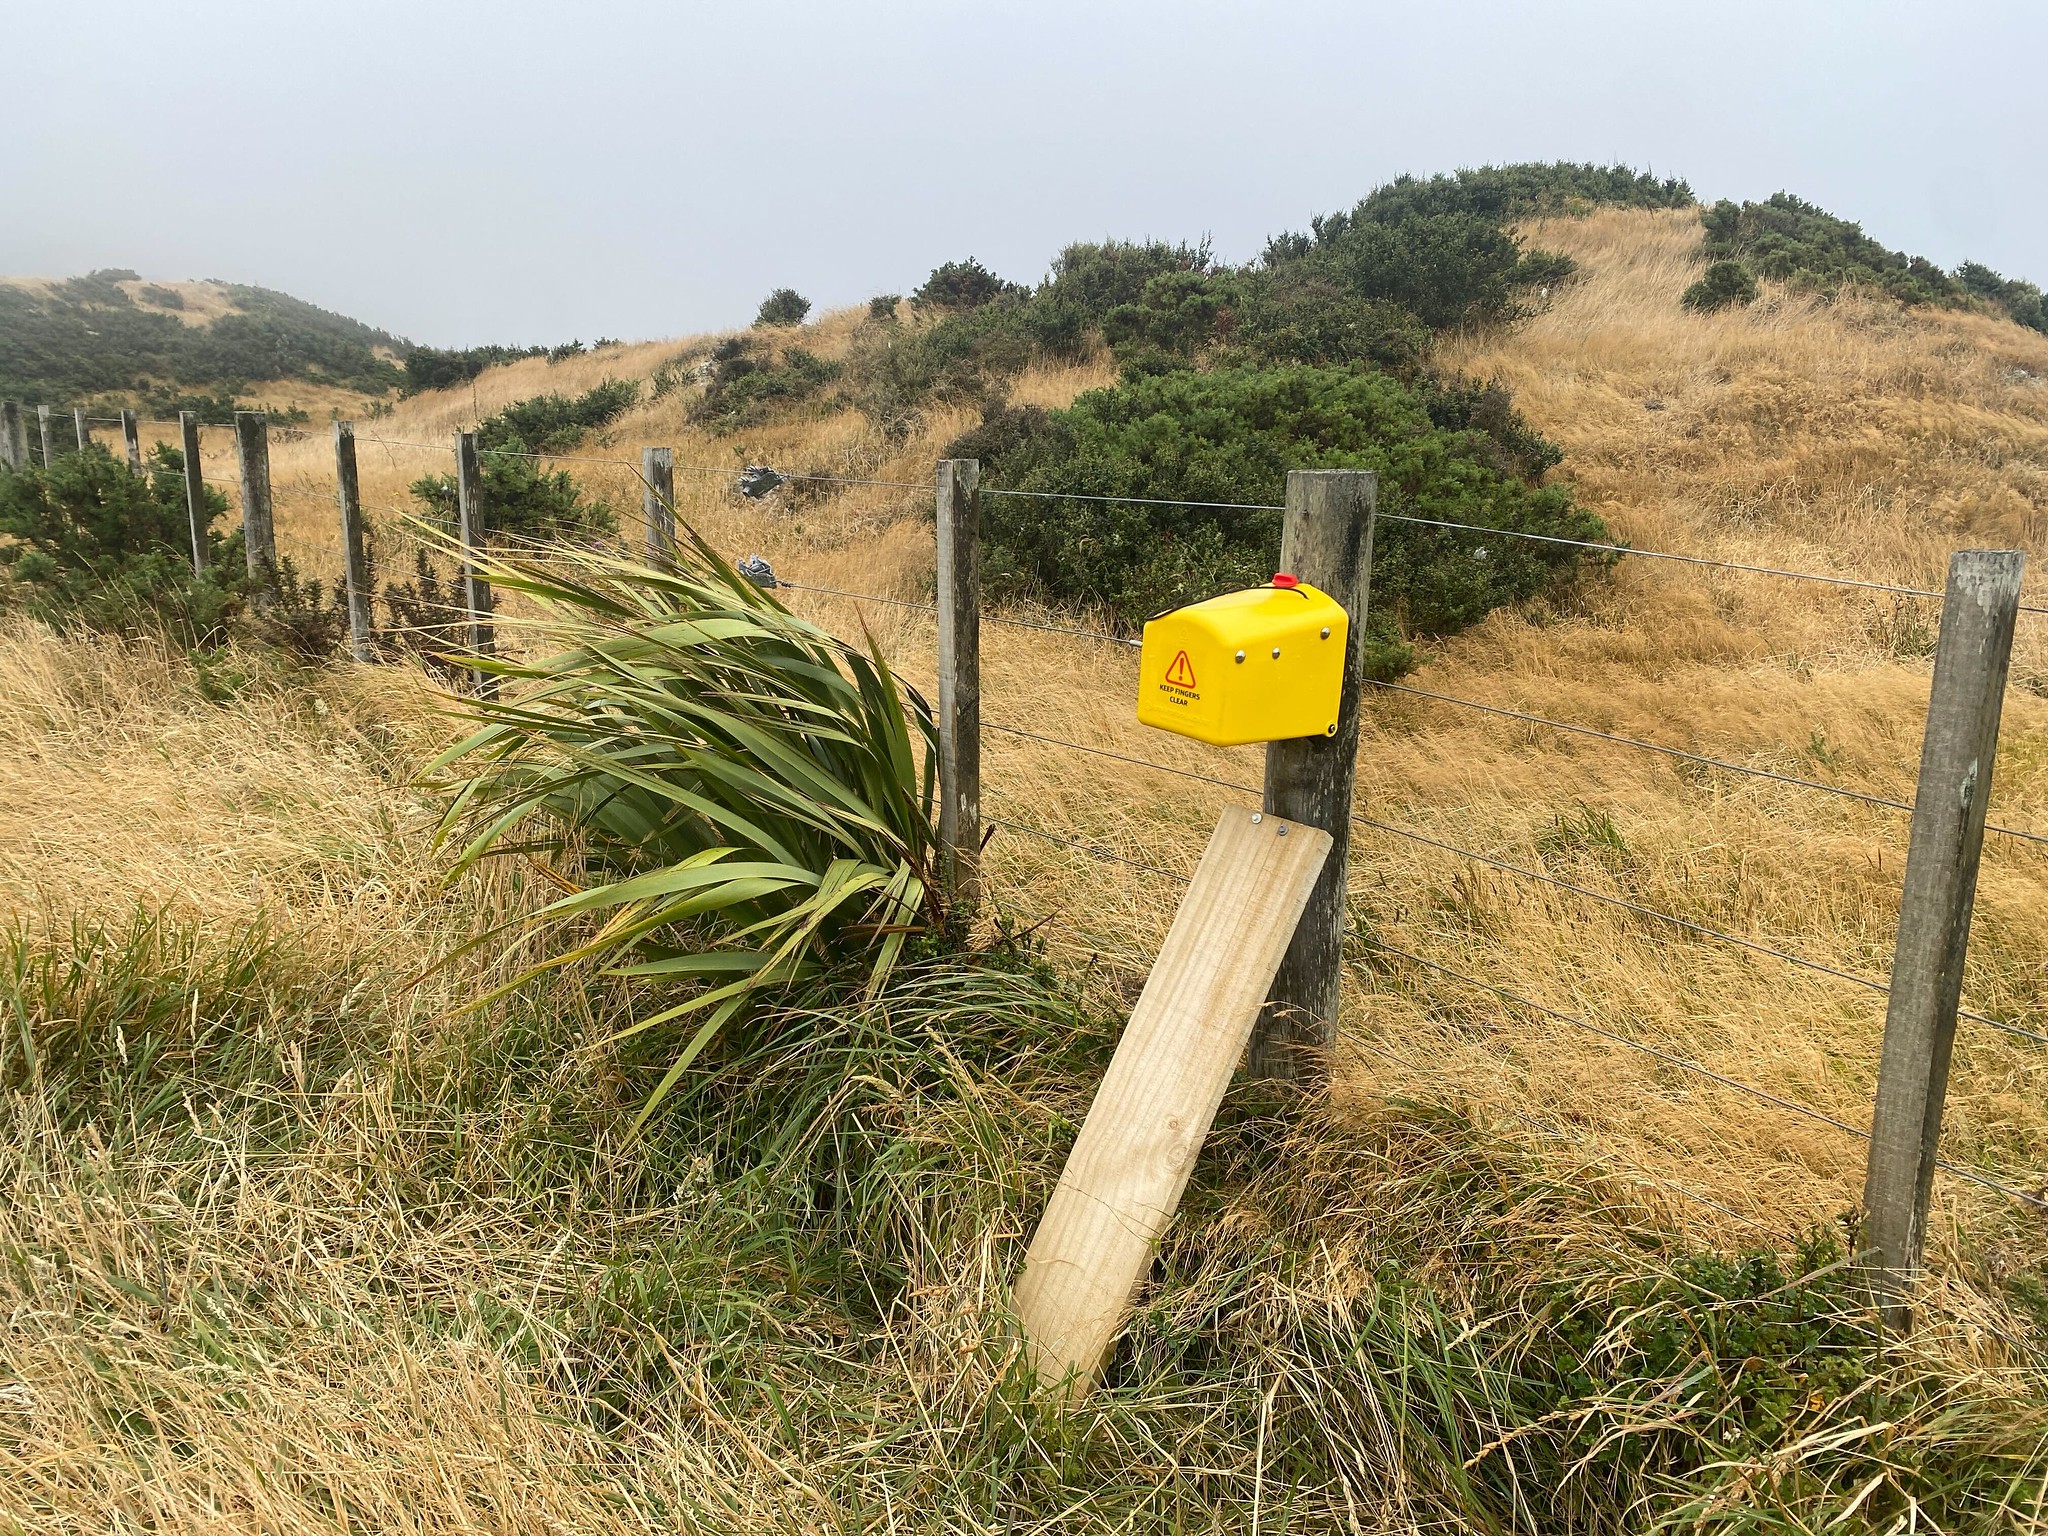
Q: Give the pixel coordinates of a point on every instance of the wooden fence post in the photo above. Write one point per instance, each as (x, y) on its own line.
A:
(13, 436)
(1956, 755)
(959, 520)
(131, 435)
(355, 545)
(81, 427)
(43, 430)
(259, 527)
(1327, 543)
(1138, 1145)
(658, 500)
(195, 486)
(476, 591)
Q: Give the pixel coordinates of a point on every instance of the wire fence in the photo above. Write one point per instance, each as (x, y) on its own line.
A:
(1380, 951)
(1379, 954)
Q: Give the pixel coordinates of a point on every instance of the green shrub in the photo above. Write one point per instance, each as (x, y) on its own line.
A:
(90, 542)
(883, 306)
(557, 423)
(785, 306)
(1446, 268)
(166, 404)
(671, 375)
(522, 499)
(433, 368)
(1230, 436)
(1722, 284)
(2022, 301)
(1504, 192)
(748, 382)
(1795, 242)
(161, 297)
(301, 615)
(429, 618)
(962, 285)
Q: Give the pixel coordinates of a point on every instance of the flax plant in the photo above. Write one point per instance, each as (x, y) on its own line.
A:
(734, 797)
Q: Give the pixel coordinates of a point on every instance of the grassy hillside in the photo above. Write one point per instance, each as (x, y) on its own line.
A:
(112, 335)
(291, 1246)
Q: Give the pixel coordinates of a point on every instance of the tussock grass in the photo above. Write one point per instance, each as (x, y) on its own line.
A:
(386, 1268)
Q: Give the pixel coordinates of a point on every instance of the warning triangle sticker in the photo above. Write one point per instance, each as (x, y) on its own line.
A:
(1182, 673)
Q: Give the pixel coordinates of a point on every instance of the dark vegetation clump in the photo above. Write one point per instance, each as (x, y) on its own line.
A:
(750, 381)
(523, 499)
(429, 617)
(163, 403)
(962, 285)
(2022, 300)
(1217, 445)
(86, 542)
(785, 306)
(1724, 283)
(301, 615)
(1315, 355)
(1531, 190)
(1792, 241)
(435, 368)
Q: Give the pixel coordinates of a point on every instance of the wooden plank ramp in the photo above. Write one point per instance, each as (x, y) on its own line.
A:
(1137, 1147)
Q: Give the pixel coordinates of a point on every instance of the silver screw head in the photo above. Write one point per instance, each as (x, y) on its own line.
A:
(1276, 653)
(1240, 655)
(1326, 631)
(1283, 829)
(1257, 818)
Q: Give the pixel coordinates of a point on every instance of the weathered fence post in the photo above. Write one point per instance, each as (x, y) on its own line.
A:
(476, 591)
(13, 436)
(1956, 755)
(131, 434)
(259, 526)
(355, 545)
(1327, 543)
(959, 519)
(43, 430)
(81, 427)
(195, 486)
(658, 500)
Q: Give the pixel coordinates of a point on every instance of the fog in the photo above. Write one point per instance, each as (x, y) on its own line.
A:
(463, 173)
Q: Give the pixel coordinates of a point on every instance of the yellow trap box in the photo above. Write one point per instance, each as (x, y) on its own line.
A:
(1265, 664)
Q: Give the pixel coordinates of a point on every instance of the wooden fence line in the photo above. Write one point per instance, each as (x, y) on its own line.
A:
(1327, 541)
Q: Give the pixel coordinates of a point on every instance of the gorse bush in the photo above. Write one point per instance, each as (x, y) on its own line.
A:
(1228, 437)
(1724, 283)
(522, 498)
(785, 306)
(557, 423)
(749, 798)
(1792, 241)
(1500, 192)
(748, 382)
(1795, 242)
(962, 285)
(435, 368)
(2021, 300)
(88, 541)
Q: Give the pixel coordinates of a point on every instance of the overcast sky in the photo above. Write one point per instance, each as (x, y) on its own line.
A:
(463, 173)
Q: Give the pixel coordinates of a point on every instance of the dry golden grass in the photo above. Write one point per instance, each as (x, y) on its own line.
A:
(1853, 438)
